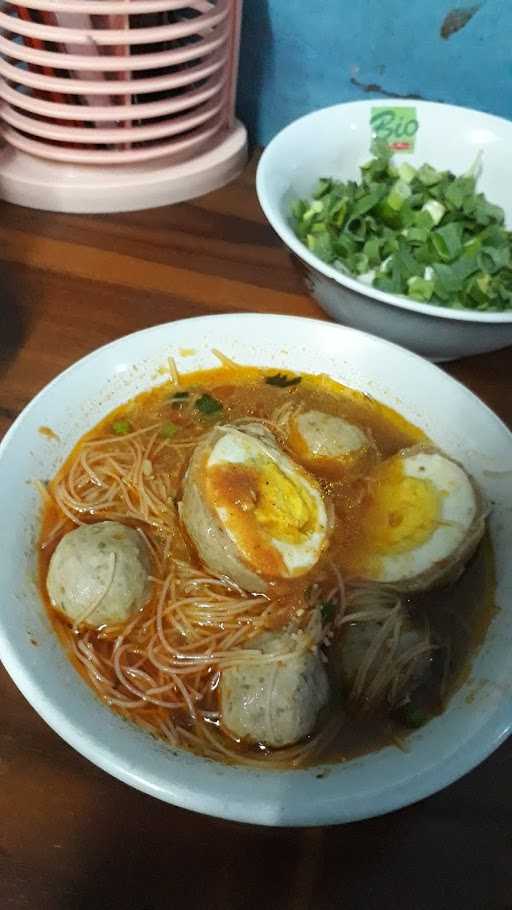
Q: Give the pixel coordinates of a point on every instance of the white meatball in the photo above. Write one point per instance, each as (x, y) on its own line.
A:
(98, 574)
(325, 440)
(395, 663)
(274, 703)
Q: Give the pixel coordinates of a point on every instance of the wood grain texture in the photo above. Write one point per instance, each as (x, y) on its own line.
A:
(72, 838)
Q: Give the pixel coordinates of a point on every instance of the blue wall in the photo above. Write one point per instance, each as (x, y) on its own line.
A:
(298, 55)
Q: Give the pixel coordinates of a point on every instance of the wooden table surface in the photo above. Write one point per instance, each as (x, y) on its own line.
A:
(72, 838)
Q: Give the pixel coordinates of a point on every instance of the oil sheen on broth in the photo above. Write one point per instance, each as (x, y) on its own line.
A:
(266, 568)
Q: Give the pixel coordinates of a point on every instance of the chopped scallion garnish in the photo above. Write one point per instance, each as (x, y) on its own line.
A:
(168, 429)
(421, 232)
(121, 427)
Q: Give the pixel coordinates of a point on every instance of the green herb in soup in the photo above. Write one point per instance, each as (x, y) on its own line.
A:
(121, 427)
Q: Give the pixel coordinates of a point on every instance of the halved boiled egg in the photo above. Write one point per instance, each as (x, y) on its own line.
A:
(251, 512)
(327, 442)
(422, 521)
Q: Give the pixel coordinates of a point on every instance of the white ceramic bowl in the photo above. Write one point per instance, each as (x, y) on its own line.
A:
(445, 749)
(334, 142)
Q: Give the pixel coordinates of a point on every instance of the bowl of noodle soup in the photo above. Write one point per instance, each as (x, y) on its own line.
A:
(262, 630)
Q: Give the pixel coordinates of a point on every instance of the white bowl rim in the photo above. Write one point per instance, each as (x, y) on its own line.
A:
(390, 798)
(285, 232)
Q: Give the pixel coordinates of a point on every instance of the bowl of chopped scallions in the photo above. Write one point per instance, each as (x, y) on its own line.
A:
(413, 245)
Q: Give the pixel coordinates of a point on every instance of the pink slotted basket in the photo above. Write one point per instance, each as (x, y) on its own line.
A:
(112, 105)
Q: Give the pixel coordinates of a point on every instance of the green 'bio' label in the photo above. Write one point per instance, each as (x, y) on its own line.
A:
(397, 125)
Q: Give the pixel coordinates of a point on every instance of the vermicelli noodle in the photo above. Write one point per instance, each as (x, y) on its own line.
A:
(164, 666)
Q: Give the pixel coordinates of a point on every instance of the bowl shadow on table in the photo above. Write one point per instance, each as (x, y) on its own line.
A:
(207, 863)
(142, 854)
(13, 319)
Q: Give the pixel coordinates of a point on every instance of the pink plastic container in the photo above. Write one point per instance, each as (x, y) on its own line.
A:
(112, 105)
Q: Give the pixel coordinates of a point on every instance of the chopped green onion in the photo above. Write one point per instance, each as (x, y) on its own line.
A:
(407, 172)
(314, 209)
(168, 429)
(491, 260)
(476, 168)
(323, 186)
(458, 191)
(121, 427)
(419, 232)
(429, 176)
(366, 203)
(282, 380)
(416, 236)
(423, 220)
(420, 289)
(399, 193)
(321, 246)
(447, 241)
(208, 405)
(371, 250)
(434, 209)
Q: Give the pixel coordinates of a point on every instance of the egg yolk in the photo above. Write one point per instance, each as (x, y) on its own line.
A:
(284, 509)
(403, 511)
(261, 504)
